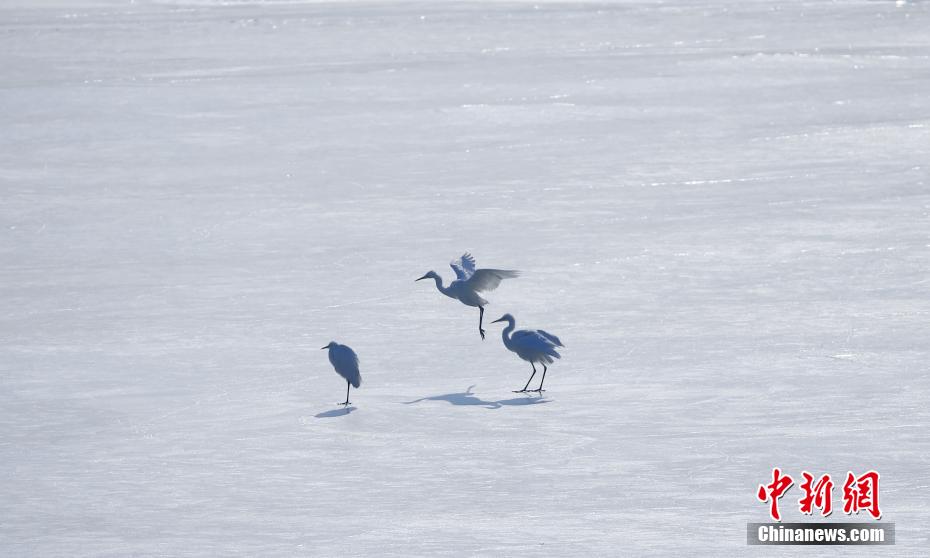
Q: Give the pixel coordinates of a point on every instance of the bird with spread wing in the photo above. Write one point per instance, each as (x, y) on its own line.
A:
(469, 282)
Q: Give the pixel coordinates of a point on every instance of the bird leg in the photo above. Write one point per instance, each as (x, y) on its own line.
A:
(528, 381)
(541, 382)
(481, 321)
(346, 403)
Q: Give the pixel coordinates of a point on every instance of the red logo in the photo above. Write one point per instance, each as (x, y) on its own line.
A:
(859, 493)
(780, 485)
(818, 495)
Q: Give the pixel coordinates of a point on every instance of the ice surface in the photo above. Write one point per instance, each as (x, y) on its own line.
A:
(720, 207)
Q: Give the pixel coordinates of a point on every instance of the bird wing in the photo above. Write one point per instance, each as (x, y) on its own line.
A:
(463, 267)
(489, 279)
(534, 341)
(555, 340)
(345, 361)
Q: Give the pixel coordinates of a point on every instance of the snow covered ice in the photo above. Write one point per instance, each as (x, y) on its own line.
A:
(721, 207)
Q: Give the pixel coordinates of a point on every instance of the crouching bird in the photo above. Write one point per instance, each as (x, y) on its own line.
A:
(469, 282)
(345, 361)
(532, 345)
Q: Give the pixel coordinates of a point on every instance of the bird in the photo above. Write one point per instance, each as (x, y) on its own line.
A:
(469, 282)
(532, 345)
(345, 361)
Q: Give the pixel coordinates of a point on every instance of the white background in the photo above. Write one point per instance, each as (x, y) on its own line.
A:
(721, 207)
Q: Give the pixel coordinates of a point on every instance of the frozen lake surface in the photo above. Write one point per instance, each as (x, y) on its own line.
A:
(721, 207)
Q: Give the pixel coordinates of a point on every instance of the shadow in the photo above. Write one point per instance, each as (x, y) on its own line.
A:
(335, 412)
(468, 398)
(528, 399)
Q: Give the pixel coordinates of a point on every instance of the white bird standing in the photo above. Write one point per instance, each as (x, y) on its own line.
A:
(469, 282)
(345, 361)
(532, 345)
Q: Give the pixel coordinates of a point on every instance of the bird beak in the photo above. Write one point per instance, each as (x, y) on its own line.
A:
(324, 348)
(421, 278)
(501, 319)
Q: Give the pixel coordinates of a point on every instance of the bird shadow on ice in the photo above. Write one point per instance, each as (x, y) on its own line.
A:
(468, 398)
(335, 412)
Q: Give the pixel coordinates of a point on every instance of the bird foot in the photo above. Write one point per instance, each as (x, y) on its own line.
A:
(344, 403)
(520, 390)
(481, 331)
(536, 390)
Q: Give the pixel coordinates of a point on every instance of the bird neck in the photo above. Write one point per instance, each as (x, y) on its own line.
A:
(505, 334)
(439, 285)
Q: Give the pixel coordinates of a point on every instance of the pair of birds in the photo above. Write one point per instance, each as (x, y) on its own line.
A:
(532, 345)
